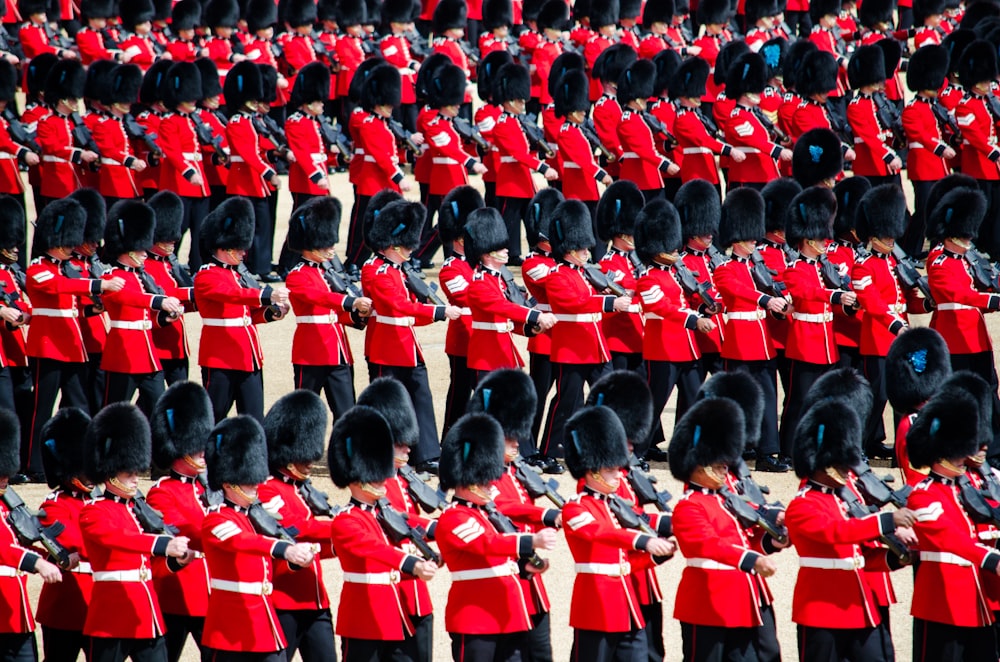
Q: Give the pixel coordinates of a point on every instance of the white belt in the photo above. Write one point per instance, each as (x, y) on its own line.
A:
(381, 578)
(443, 160)
(54, 159)
(915, 145)
(955, 306)
(329, 318)
(55, 312)
(508, 159)
(140, 575)
(6, 156)
(749, 150)
(395, 321)
(815, 318)
(466, 311)
(9, 571)
(709, 564)
(569, 165)
(247, 588)
(543, 307)
(508, 569)
(137, 325)
(697, 150)
(630, 155)
(359, 152)
(192, 156)
(319, 157)
(109, 161)
(236, 159)
(369, 158)
(859, 141)
(623, 569)
(852, 563)
(945, 557)
(583, 318)
(653, 316)
(83, 568)
(897, 309)
(499, 327)
(229, 321)
(748, 316)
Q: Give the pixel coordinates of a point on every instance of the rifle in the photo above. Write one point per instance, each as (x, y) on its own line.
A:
(83, 138)
(419, 47)
(333, 136)
(689, 283)
(209, 497)
(589, 132)
(990, 482)
(857, 509)
(470, 133)
(150, 519)
(535, 485)
(535, 135)
(888, 115)
(600, 281)
(749, 516)
(471, 52)
(136, 131)
(247, 280)
(29, 529)
(716, 258)
(515, 293)
(206, 137)
(984, 273)
(503, 524)
(398, 529)
(56, 38)
(709, 123)
(906, 269)
(369, 47)
(319, 47)
(402, 136)
(316, 499)
(945, 119)
(642, 485)
(628, 518)
(777, 135)
(975, 503)
(875, 491)
(748, 490)
(338, 279)
(414, 283)
(658, 127)
(763, 277)
(19, 132)
(831, 274)
(10, 299)
(267, 524)
(426, 496)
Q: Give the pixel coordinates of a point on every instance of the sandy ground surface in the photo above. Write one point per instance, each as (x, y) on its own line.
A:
(276, 339)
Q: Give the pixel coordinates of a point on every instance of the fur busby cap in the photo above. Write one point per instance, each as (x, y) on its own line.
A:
(487, 71)
(612, 62)
(95, 8)
(570, 228)
(820, 8)
(300, 12)
(928, 68)
(955, 44)
(209, 78)
(11, 222)
(595, 440)
(180, 423)
(472, 452)
(118, 439)
(714, 12)
(30, 7)
(873, 12)
(742, 217)
(778, 195)
(8, 81)
(729, 54)
(65, 81)
(848, 192)
(221, 14)
(563, 64)
(637, 81)
(365, 69)
(758, 9)
(844, 384)
(294, 427)
(352, 12)
(10, 443)
(484, 232)
(947, 184)
(571, 93)
(169, 211)
(917, 364)
(892, 53)
(817, 157)
(183, 83)
(922, 9)
(882, 212)
(388, 397)
(616, 211)
(748, 74)
(269, 82)
(135, 12)
(978, 63)
(959, 213)
(122, 85)
(626, 394)
(261, 14)
(581, 10)
(742, 389)
(667, 62)
(361, 448)
(397, 11)
(512, 82)
(553, 15)
(94, 206)
(152, 88)
(237, 453)
(162, 9)
(244, 83)
(657, 230)
(230, 225)
(447, 88)
(977, 12)
(699, 208)
(312, 83)
(61, 223)
(971, 383)
(130, 228)
(537, 222)
(186, 15)
(98, 79)
(63, 454)
(497, 13)
(795, 56)
(455, 210)
(946, 428)
(375, 207)
(657, 11)
(690, 78)
(505, 395)
(315, 224)
(867, 67)
(449, 15)
(604, 13)
(382, 87)
(530, 10)
(818, 74)
(810, 215)
(630, 8)
(398, 223)
(711, 431)
(773, 52)
(828, 435)
(38, 72)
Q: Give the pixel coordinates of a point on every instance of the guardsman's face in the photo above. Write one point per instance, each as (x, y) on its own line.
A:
(314, 109)
(186, 107)
(97, 23)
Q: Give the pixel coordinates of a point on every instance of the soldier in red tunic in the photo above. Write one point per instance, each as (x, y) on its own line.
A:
(15, 377)
(12, 153)
(186, 45)
(876, 156)
(641, 162)
(118, 176)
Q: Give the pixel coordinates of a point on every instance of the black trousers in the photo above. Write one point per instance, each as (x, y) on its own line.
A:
(63, 645)
(174, 370)
(217, 197)
(237, 656)
(989, 229)
(487, 647)
(258, 259)
(240, 387)
(106, 649)
(653, 615)
(801, 377)
(430, 238)
(595, 646)
(18, 647)
(121, 387)
(6, 390)
(52, 378)
(766, 637)
(951, 643)
(710, 364)
(195, 210)
(709, 643)
(884, 629)
(913, 241)
(513, 211)
(834, 645)
(94, 382)
(662, 377)
(178, 629)
(905, 18)
(849, 357)
(540, 369)
(310, 632)
(419, 647)
(490, 194)
(415, 381)
(630, 362)
(765, 374)
(569, 378)
(538, 640)
(874, 372)
(24, 404)
(460, 388)
(337, 381)
(357, 252)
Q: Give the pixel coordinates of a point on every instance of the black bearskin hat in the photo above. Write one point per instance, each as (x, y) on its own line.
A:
(497, 13)
(794, 58)
(98, 80)
(117, 440)
(773, 52)
(657, 11)
(636, 82)
(294, 428)
(397, 224)
(810, 215)
(742, 217)
(312, 83)
(186, 15)
(537, 222)
(727, 55)
(261, 14)
(152, 87)
(135, 12)
(882, 213)
(397, 11)
(361, 448)
(959, 213)
(221, 14)
(64, 455)
(817, 157)
(65, 81)
(61, 223)
(690, 78)
(713, 12)
(244, 83)
(974, 385)
(484, 232)
(375, 207)
(300, 12)
(183, 83)
(955, 44)
(867, 67)
(37, 73)
(828, 435)
(604, 13)
(237, 453)
(210, 86)
(747, 75)
(817, 75)
(129, 228)
(820, 8)
(382, 87)
(699, 209)
(94, 8)
(447, 88)
(472, 452)
(778, 195)
(946, 428)
(506, 395)
(845, 384)
(230, 225)
(571, 93)
(595, 440)
(455, 210)
(11, 222)
(626, 394)
(315, 224)
(758, 9)
(351, 12)
(512, 82)
(449, 15)
(617, 209)
(8, 81)
(93, 204)
(612, 62)
(977, 64)
(927, 69)
(365, 69)
(180, 423)
(10, 443)
(570, 228)
(740, 387)
(389, 397)
(667, 63)
(487, 71)
(657, 230)
(554, 15)
(711, 431)
(917, 364)
(873, 12)
(169, 210)
(848, 192)
(922, 9)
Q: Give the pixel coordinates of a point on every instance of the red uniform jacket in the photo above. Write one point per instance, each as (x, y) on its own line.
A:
(884, 302)
(58, 171)
(92, 46)
(579, 168)
(35, 40)
(170, 340)
(450, 163)
(150, 177)
(14, 341)
(535, 271)
(15, 610)
(422, 166)
(810, 337)
(141, 49)
(666, 111)
(623, 330)
(494, 316)
(93, 319)
(455, 278)
(416, 597)
(870, 138)
(747, 337)
(578, 337)
(979, 154)
(960, 306)
(846, 328)
(607, 115)
(54, 332)
(183, 158)
(10, 151)
(320, 316)
(670, 322)
(486, 119)
(643, 576)
(249, 171)
(827, 40)
(710, 45)
(218, 175)
(923, 135)
(63, 606)
(183, 51)
(453, 50)
(640, 162)
(379, 165)
(652, 44)
(809, 115)
(221, 52)
(306, 143)
(774, 257)
(395, 48)
(698, 262)
(543, 57)
(516, 160)
(745, 131)
(129, 347)
(117, 545)
(596, 44)
(698, 147)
